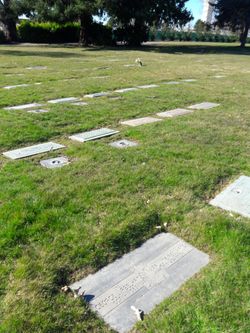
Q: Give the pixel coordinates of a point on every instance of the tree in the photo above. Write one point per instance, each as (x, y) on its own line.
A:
(133, 18)
(234, 14)
(65, 10)
(8, 19)
(201, 26)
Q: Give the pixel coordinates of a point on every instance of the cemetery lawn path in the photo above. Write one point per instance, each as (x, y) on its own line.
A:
(57, 226)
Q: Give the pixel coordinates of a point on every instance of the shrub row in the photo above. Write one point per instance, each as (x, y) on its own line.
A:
(191, 36)
(34, 32)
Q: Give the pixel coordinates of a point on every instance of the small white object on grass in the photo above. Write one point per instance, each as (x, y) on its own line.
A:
(139, 313)
(138, 62)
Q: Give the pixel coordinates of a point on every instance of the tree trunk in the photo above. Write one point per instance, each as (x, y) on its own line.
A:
(9, 30)
(85, 23)
(244, 34)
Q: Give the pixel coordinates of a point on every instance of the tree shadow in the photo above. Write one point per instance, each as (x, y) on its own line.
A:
(192, 48)
(40, 53)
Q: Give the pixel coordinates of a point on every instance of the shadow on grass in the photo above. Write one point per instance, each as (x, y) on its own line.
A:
(184, 48)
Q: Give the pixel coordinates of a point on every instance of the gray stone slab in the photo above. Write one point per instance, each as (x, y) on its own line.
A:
(93, 135)
(37, 67)
(125, 90)
(54, 163)
(38, 111)
(140, 121)
(63, 100)
(17, 86)
(96, 95)
(203, 106)
(23, 107)
(123, 144)
(171, 82)
(189, 80)
(32, 150)
(148, 86)
(174, 113)
(142, 278)
(236, 197)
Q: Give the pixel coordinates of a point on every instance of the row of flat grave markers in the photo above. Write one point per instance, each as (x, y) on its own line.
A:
(77, 101)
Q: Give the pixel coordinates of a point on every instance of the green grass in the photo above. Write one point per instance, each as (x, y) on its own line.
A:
(57, 226)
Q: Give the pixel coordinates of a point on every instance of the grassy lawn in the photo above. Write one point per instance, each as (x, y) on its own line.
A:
(57, 226)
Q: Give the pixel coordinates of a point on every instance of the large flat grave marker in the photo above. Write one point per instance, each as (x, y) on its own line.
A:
(189, 80)
(142, 279)
(96, 95)
(23, 107)
(125, 90)
(123, 144)
(174, 113)
(171, 82)
(37, 67)
(63, 100)
(204, 106)
(140, 121)
(54, 163)
(148, 86)
(93, 135)
(235, 198)
(32, 150)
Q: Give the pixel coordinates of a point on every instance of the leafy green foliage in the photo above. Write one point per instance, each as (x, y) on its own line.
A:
(234, 14)
(132, 18)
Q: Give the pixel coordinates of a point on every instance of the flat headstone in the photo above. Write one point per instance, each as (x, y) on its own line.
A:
(17, 86)
(95, 95)
(32, 150)
(93, 135)
(174, 113)
(37, 67)
(219, 76)
(140, 121)
(142, 278)
(236, 197)
(129, 65)
(189, 80)
(63, 100)
(203, 106)
(38, 111)
(123, 144)
(171, 82)
(148, 86)
(24, 106)
(54, 163)
(125, 90)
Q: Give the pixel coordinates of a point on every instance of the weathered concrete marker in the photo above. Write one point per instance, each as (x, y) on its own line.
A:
(235, 198)
(140, 279)
(174, 113)
(140, 121)
(204, 106)
(123, 144)
(93, 135)
(32, 150)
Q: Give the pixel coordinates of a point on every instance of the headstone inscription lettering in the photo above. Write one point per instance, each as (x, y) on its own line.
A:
(142, 279)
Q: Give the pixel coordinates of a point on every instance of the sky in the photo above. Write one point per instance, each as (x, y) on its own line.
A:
(195, 6)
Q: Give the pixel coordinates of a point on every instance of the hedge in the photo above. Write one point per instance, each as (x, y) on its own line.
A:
(48, 32)
(172, 35)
